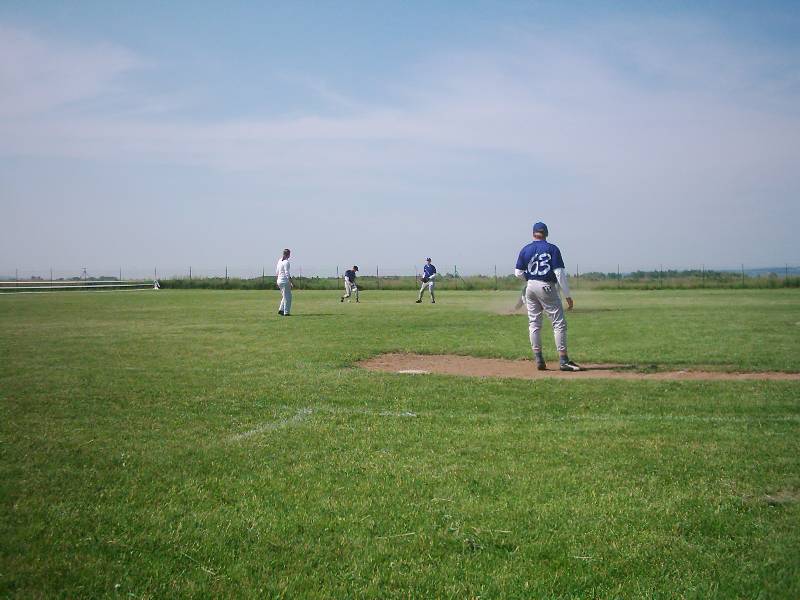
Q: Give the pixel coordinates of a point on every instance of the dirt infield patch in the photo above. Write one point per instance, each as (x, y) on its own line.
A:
(448, 364)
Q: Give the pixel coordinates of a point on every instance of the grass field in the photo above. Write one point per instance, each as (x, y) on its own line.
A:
(194, 444)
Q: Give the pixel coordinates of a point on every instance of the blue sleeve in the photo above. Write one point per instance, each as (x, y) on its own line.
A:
(433, 269)
(558, 261)
(521, 261)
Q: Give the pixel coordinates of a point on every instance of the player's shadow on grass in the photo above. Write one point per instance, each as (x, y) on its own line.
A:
(312, 315)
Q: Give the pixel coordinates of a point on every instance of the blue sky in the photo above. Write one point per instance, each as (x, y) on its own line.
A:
(213, 134)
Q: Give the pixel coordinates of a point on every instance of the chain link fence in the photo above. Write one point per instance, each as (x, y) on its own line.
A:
(489, 277)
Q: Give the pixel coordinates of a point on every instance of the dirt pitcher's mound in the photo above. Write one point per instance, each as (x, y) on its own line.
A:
(449, 364)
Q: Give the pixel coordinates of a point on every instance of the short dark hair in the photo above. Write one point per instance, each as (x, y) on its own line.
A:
(286, 252)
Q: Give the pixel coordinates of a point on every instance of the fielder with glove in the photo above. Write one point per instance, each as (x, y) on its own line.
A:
(428, 275)
(541, 265)
(350, 284)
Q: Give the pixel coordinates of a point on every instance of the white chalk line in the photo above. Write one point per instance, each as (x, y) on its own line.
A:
(304, 413)
(299, 416)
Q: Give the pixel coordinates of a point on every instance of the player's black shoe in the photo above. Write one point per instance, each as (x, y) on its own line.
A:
(433, 301)
(569, 366)
(418, 301)
(541, 365)
(280, 312)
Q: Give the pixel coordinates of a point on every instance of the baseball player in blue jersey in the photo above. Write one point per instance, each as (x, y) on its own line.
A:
(350, 284)
(428, 276)
(541, 265)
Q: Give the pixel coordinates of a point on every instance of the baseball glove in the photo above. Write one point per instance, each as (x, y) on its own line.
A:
(425, 280)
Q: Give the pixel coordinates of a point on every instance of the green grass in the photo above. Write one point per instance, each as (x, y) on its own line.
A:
(195, 444)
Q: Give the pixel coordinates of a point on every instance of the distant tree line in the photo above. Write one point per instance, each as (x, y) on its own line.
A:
(656, 279)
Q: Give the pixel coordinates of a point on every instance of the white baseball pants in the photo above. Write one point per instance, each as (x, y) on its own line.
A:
(542, 296)
(430, 286)
(349, 288)
(286, 297)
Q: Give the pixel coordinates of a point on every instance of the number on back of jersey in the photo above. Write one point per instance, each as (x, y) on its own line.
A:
(539, 264)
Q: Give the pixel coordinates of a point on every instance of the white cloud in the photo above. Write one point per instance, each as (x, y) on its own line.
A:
(38, 76)
(561, 104)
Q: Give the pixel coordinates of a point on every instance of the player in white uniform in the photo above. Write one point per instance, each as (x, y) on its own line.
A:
(350, 284)
(283, 279)
(541, 265)
(428, 277)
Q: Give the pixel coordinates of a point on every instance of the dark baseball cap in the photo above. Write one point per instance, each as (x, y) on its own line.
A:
(540, 228)
(428, 259)
(355, 268)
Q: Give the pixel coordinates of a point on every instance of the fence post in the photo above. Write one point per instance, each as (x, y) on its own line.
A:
(377, 277)
(190, 272)
(226, 272)
(455, 274)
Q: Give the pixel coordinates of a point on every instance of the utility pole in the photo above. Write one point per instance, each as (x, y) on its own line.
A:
(742, 274)
(495, 278)
(377, 277)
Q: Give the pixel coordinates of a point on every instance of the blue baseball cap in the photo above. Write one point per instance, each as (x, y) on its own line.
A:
(540, 228)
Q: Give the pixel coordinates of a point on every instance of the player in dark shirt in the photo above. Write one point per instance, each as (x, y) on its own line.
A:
(428, 275)
(350, 284)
